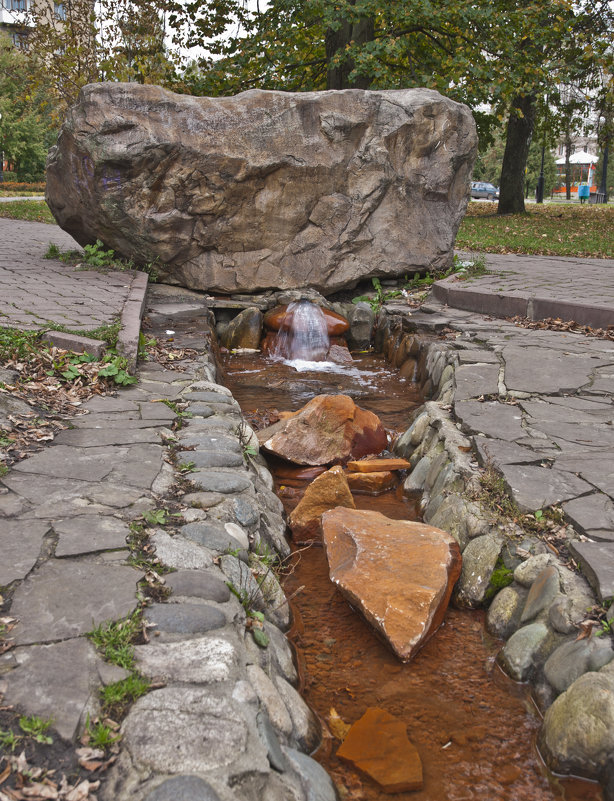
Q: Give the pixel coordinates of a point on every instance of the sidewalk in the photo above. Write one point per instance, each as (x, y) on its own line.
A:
(36, 293)
(536, 287)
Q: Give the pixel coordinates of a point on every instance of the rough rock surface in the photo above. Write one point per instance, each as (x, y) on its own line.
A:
(405, 605)
(326, 492)
(265, 189)
(329, 429)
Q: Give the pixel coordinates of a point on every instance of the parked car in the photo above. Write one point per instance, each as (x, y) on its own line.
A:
(481, 189)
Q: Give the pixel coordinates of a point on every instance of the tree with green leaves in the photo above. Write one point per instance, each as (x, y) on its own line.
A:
(26, 131)
(509, 54)
(113, 40)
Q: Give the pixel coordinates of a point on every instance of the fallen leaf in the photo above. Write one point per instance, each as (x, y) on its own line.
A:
(337, 725)
(81, 791)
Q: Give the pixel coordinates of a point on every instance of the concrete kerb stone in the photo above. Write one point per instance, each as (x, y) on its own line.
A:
(130, 320)
(444, 461)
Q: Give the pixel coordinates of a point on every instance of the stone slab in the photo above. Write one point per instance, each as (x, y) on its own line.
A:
(88, 534)
(64, 461)
(219, 458)
(93, 438)
(56, 682)
(69, 598)
(534, 488)
(20, 546)
(493, 419)
(544, 370)
(597, 563)
(138, 467)
(497, 452)
(591, 512)
(473, 380)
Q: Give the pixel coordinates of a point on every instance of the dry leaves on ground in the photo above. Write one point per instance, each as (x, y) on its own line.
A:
(556, 324)
(30, 783)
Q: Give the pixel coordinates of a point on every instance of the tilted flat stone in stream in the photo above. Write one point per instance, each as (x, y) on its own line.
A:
(378, 745)
(265, 189)
(329, 429)
(404, 605)
(371, 483)
(328, 490)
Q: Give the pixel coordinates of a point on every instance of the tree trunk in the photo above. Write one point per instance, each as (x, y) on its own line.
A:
(360, 32)
(518, 139)
(567, 166)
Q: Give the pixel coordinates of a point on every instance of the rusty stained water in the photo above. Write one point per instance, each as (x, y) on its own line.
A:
(473, 727)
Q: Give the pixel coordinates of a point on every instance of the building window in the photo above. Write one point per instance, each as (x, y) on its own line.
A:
(59, 10)
(17, 5)
(20, 39)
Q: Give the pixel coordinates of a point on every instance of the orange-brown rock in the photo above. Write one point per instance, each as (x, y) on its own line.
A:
(372, 483)
(378, 745)
(398, 573)
(376, 465)
(279, 319)
(325, 492)
(330, 429)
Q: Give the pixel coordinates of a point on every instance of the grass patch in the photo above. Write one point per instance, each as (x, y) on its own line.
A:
(117, 697)
(548, 230)
(114, 639)
(16, 344)
(30, 210)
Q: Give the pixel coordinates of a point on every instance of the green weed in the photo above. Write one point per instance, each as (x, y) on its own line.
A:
(36, 727)
(9, 740)
(117, 697)
(16, 344)
(100, 735)
(114, 639)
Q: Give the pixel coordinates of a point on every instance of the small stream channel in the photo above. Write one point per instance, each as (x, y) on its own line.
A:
(473, 727)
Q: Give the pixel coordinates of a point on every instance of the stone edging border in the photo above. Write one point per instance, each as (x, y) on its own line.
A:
(572, 677)
(224, 720)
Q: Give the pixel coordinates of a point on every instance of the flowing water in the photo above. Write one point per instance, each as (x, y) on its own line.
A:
(473, 727)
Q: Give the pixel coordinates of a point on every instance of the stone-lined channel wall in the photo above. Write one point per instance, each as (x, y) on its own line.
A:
(539, 612)
(224, 721)
(229, 724)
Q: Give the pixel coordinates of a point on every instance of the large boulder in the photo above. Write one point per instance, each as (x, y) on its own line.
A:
(265, 189)
(330, 429)
(404, 604)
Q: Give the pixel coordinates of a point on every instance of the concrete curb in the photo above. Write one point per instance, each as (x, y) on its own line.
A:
(132, 313)
(510, 305)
